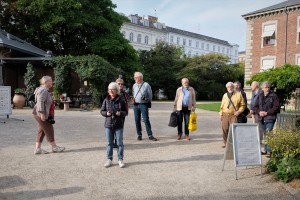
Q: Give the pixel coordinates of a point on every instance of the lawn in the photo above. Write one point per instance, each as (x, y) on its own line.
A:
(210, 106)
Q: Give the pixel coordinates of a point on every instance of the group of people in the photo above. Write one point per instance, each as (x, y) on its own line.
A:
(115, 108)
(264, 107)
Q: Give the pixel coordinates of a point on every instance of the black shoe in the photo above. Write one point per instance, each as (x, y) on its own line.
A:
(115, 145)
(152, 138)
(139, 137)
(264, 153)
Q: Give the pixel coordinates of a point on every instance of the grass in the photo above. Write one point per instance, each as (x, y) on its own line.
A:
(210, 106)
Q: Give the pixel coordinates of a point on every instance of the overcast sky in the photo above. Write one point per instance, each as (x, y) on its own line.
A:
(215, 18)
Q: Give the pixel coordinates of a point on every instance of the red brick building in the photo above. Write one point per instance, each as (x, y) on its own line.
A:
(273, 38)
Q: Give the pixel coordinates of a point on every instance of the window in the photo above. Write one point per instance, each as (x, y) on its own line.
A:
(157, 40)
(214, 48)
(139, 38)
(219, 49)
(178, 40)
(207, 46)
(184, 41)
(171, 39)
(227, 50)
(268, 34)
(202, 45)
(297, 62)
(223, 50)
(197, 44)
(131, 37)
(298, 30)
(190, 42)
(124, 34)
(146, 39)
(189, 54)
(267, 63)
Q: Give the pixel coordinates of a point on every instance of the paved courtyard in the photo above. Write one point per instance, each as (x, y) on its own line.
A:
(166, 169)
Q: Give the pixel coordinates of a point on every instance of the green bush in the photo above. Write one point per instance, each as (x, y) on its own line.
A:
(285, 161)
(284, 143)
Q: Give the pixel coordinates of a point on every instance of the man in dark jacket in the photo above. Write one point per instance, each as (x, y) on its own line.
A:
(266, 107)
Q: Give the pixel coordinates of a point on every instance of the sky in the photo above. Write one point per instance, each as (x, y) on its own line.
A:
(215, 18)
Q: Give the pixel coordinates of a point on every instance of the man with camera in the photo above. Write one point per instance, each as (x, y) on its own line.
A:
(142, 96)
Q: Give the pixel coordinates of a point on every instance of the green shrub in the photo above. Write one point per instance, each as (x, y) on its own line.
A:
(285, 161)
(284, 143)
(287, 169)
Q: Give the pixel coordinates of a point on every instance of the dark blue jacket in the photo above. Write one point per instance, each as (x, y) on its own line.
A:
(117, 104)
(269, 104)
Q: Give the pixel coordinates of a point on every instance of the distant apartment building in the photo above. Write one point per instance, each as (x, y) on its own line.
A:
(144, 32)
(242, 57)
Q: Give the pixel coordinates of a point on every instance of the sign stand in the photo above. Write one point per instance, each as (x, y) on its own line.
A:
(5, 102)
(243, 146)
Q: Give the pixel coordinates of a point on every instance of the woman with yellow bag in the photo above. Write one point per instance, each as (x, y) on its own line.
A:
(185, 102)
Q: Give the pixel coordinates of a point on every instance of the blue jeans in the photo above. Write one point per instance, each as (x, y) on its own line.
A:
(183, 114)
(109, 134)
(142, 109)
(267, 127)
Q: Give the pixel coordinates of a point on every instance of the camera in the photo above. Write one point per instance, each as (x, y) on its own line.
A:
(51, 120)
(144, 98)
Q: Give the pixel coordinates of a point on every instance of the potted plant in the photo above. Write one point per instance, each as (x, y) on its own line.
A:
(19, 98)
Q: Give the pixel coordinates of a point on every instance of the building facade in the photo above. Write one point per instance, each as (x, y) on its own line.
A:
(144, 32)
(273, 38)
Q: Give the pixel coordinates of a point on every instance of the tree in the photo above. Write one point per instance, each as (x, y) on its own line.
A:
(71, 27)
(30, 80)
(284, 80)
(160, 66)
(209, 73)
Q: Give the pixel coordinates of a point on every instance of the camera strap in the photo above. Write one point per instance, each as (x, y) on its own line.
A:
(139, 89)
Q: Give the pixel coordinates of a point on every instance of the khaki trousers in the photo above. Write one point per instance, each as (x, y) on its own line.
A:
(226, 121)
(44, 129)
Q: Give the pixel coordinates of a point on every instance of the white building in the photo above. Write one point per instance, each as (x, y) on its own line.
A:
(144, 32)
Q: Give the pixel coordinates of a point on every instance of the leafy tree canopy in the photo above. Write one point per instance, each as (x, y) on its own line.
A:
(160, 66)
(284, 80)
(209, 73)
(71, 27)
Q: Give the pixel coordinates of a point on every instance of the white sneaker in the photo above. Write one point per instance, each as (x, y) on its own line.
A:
(58, 149)
(40, 151)
(121, 164)
(108, 163)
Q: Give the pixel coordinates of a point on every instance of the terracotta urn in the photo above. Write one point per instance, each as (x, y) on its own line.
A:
(19, 100)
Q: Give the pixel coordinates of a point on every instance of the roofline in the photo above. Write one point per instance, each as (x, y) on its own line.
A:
(26, 59)
(269, 12)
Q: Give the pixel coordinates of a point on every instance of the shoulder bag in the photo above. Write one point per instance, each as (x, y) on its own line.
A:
(241, 118)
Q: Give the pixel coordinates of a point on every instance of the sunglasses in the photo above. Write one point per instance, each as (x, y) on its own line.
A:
(120, 83)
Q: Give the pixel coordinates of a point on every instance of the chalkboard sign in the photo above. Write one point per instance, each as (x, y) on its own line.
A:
(246, 144)
(5, 100)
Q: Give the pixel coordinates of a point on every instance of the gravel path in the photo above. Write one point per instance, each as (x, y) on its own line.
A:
(166, 169)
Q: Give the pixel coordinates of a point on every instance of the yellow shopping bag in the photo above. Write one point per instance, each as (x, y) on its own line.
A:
(193, 122)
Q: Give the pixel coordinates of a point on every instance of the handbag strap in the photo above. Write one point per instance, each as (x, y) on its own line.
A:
(139, 89)
(231, 101)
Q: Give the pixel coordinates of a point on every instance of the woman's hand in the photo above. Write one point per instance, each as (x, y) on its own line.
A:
(108, 113)
(118, 113)
(43, 118)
